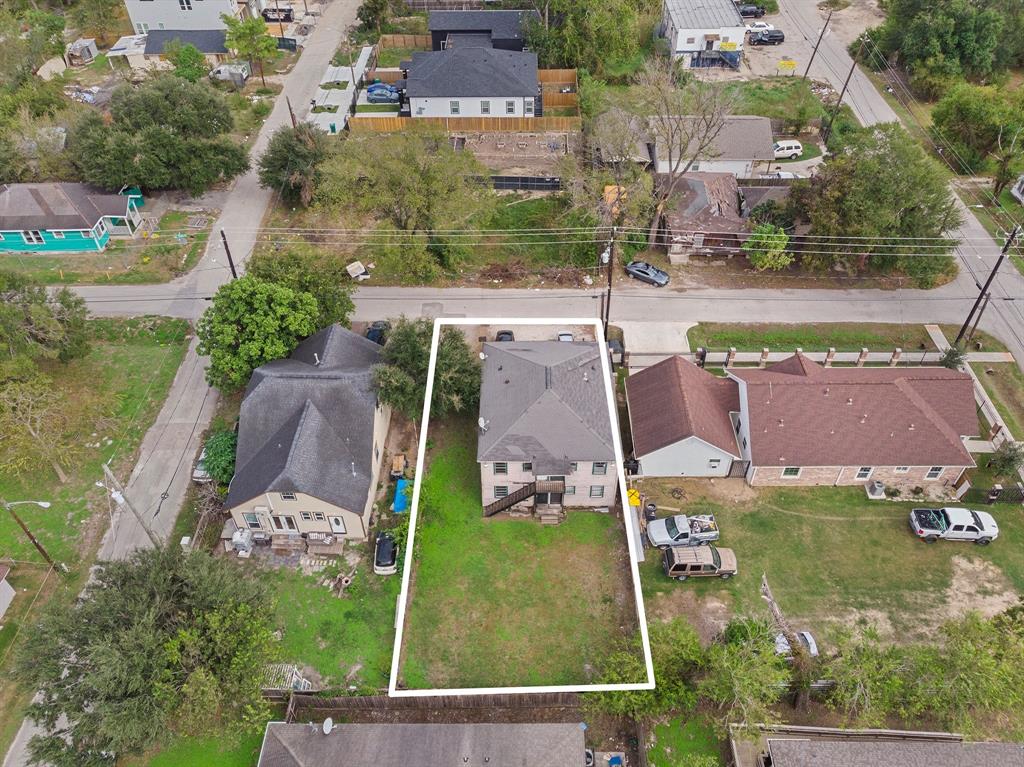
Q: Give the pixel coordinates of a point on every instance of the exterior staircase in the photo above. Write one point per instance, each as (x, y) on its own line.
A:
(511, 499)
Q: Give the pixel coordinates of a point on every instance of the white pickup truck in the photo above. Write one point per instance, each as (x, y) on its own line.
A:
(681, 530)
(953, 524)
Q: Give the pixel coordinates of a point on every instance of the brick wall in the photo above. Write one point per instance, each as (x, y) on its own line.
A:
(847, 475)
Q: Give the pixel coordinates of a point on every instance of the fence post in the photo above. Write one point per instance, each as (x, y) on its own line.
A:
(895, 358)
(830, 355)
(764, 358)
(730, 356)
(863, 357)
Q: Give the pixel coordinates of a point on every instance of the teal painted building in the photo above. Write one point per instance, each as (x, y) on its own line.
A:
(64, 217)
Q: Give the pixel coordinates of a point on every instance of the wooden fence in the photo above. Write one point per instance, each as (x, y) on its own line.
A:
(366, 124)
(312, 703)
(556, 99)
(556, 75)
(384, 75)
(443, 5)
(405, 41)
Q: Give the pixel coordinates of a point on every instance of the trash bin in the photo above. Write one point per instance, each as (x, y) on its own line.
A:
(650, 511)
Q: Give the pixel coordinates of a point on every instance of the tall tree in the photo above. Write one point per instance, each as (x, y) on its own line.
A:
(585, 35)
(97, 17)
(188, 61)
(250, 39)
(250, 322)
(292, 160)
(165, 641)
(313, 270)
(765, 248)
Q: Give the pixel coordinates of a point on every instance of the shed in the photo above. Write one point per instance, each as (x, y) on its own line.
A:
(82, 52)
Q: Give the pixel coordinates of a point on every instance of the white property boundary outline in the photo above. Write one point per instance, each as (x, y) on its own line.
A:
(393, 690)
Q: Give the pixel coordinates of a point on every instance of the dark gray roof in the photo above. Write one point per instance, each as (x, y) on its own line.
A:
(787, 752)
(206, 40)
(424, 745)
(56, 206)
(308, 428)
(704, 14)
(472, 71)
(503, 25)
(545, 402)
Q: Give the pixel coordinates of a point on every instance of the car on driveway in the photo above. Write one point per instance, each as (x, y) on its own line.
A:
(768, 37)
(504, 335)
(565, 336)
(381, 87)
(681, 530)
(751, 11)
(682, 562)
(378, 331)
(382, 97)
(759, 26)
(385, 555)
(645, 272)
(953, 524)
(783, 175)
(804, 637)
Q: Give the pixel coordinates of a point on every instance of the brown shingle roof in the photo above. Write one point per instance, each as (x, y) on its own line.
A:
(802, 414)
(825, 753)
(674, 400)
(707, 202)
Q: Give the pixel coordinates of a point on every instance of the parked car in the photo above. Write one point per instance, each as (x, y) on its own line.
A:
(504, 335)
(953, 524)
(682, 562)
(381, 87)
(378, 331)
(804, 637)
(759, 26)
(768, 37)
(565, 335)
(645, 272)
(199, 474)
(385, 555)
(681, 530)
(383, 97)
(751, 11)
(787, 149)
(782, 174)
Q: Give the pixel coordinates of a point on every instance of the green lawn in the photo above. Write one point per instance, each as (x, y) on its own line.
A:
(392, 57)
(347, 640)
(205, 752)
(779, 97)
(385, 108)
(811, 147)
(678, 740)
(1005, 385)
(847, 337)
(508, 602)
(833, 558)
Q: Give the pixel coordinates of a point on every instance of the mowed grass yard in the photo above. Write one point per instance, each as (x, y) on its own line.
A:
(507, 602)
(835, 559)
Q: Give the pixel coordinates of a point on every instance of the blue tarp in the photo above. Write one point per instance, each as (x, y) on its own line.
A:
(403, 491)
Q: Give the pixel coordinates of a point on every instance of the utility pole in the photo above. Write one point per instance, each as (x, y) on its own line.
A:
(291, 112)
(280, 20)
(828, 130)
(988, 283)
(224, 239)
(977, 320)
(35, 541)
(815, 51)
(119, 495)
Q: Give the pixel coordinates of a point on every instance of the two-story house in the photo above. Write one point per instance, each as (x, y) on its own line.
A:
(501, 29)
(310, 440)
(704, 33)
(545, 434)
(183, 15)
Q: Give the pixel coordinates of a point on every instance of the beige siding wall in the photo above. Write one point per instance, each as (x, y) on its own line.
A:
(847, 475)
(381, 423)
(581, 481)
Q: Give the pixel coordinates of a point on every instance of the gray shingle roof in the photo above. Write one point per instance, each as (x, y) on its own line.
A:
(545, 402)
(424, 745)
(465, 72)
(704, 14)
(308, 428)
(56, 206)
(502, 25)
(206, 40)
(825, 753)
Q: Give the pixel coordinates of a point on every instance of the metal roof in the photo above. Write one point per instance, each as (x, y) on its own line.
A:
(703, 14)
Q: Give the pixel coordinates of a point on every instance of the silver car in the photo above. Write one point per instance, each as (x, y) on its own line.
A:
(681, 530)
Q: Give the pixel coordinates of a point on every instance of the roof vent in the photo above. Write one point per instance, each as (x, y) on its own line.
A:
(782, 422)
(911, 427)
(586, 378)
(864, 418)
(826, 391)
(849, 400)
(353, 468)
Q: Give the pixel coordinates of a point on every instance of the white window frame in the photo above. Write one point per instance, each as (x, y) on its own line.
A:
(319, 516)
(573, 467)
(787, 469)
(501, 491)
(453, 107)
(503, 470)
(597, 491)
(185, 5)
(900, 469)
(602, 472)
(864, 472)
(510, 107)
(284, 523)
(287, 496)
(528, 466)
(58, 235)
(485, 107)
(33, 236)
(934, 472)
(714, 463)
(306, 516)
(252, 520)
(570, 490)
(528, 107)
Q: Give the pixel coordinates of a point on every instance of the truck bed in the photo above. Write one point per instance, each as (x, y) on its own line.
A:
(931, 519)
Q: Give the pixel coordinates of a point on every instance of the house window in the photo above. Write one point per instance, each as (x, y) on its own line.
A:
(570, 490)
(527, 467)
(318, 516)
(690, 40)
(528, 106)
(87, 233)
(501, 467)
(790, 471)
(901, 469)
(695, 166)
(283, 523)
(252, 521)
(510, 107)
(600, 467)
(32, 237)
(501, 491)
(101, 227)
(739, 424)
(287, 496)
(58, 235)
(713, 463)
(453, 107)
(863, 472)
(185, 5)
(597, 491)
(725, 38)
(933, 472)
(485, 107)
(306, 516)
(572, 467)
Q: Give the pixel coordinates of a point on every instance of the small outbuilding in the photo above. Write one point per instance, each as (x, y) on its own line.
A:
(82, 52)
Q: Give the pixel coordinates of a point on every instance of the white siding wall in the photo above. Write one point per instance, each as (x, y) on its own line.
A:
(691, 457)
(441, 107)
(683, 45)
(739, 168)
(149, 15)
(580, 481)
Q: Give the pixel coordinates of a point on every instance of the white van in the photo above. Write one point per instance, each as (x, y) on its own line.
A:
(789, 149)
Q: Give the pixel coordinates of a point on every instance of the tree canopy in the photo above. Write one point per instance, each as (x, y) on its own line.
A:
(312, 270)
(292, 160)
(165, 134)
(587, 35)
(164, 641)
(220, 450)
(189, 62)
(250, 39)
(250, 322)
(765, 248)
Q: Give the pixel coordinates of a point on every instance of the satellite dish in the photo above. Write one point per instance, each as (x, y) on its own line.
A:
(328, 725)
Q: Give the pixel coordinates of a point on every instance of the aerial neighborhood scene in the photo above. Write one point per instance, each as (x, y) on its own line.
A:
(511, 383)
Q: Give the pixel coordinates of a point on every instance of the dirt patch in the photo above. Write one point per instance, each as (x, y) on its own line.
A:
(673, 494)
(708, 615)
(977, 585)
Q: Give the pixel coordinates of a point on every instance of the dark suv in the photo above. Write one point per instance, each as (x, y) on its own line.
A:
(751, 11)
(767, 37)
